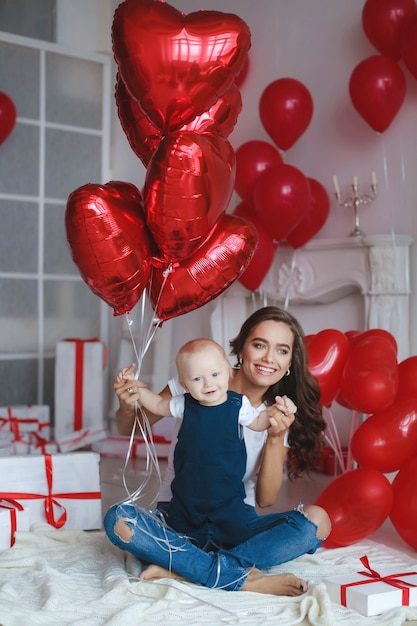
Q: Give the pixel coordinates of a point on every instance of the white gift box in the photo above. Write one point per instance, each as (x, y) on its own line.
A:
(25, 418)
(119, 446)
(62, 490)
(13, 516)
(82, 438)
(372, 593)
(39, 445)
(79, 392)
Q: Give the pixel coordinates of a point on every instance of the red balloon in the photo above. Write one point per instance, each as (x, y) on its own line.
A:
(404, 509)
(264, 254)
(357, 502)
(241, 77)
(380, 333)
(407, 371)
(327, 354)
(314, 218)
(281, 197)
(109, 242)
(176, 66)
(409, 45)
(387, 439)
(253, 158)
(211, 269)
(369, 381)
(188, 186)
(144, 137)
(377, 89)
(7, 116)
(383, 21)
(285, 109)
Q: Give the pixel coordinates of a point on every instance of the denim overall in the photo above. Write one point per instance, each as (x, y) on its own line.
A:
(210, 462)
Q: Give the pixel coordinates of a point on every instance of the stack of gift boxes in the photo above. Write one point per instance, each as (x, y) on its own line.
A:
(45, 480)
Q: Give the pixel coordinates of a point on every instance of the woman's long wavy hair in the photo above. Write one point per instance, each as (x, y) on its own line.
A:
(305, 434)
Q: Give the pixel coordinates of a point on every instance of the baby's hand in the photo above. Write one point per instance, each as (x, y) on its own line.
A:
(127, 373)
(286, 405)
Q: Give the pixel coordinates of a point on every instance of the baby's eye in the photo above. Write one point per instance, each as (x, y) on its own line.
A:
(215, 374)
(197, 379)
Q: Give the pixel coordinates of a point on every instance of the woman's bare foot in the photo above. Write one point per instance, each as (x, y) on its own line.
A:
(277, 585)
(155, 572)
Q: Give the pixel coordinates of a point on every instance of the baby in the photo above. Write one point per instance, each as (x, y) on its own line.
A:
(210, 455)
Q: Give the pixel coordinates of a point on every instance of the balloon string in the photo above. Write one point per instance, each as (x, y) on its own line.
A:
(333, 439)
(386, 179)
(354, 423)
(290, 279)
(143, 426)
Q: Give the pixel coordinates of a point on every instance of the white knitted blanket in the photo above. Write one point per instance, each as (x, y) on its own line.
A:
(67, 577)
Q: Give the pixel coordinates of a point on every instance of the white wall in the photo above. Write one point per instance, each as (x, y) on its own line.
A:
(318, 42)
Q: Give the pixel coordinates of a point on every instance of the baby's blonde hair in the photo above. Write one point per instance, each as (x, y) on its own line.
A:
(194, 346)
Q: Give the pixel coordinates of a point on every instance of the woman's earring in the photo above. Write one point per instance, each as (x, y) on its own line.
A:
(288, 372)
(239, 363)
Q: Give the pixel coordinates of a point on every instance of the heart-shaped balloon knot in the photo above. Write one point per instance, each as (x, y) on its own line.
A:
(168, 270)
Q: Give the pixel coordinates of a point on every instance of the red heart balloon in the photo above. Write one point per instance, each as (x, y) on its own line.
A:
(357, 502)
(188, 185)
(211, 269)
(314, 217)
(7, 116)
(370, 378)
(377, 88)
(176, 66)
(387, 439)
(404, 509)
(327, 354)
(285, 109)
(383, 22)
(144, 136)
(281, 197)
(264, 253)
(109, 242)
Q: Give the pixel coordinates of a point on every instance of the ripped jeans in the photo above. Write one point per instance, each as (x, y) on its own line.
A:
(277, 538)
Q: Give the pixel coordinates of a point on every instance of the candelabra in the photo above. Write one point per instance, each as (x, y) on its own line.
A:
(356, 200)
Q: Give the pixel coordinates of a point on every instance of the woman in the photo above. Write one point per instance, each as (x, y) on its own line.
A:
(271, 361)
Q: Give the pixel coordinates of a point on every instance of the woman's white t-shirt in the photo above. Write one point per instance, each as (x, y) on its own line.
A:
(254, 441)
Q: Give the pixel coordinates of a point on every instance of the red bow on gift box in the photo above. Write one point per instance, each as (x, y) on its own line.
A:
(374, 577)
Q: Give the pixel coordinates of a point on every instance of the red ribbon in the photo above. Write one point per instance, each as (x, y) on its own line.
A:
(11, 506)
(373, 577)
(79, 377)
(50, 498)
(40, 442)
(15, 422)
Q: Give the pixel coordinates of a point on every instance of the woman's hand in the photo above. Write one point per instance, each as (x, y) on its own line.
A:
(127, 387)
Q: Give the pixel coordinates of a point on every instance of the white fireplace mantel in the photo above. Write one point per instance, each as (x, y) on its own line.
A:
(325, 270)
